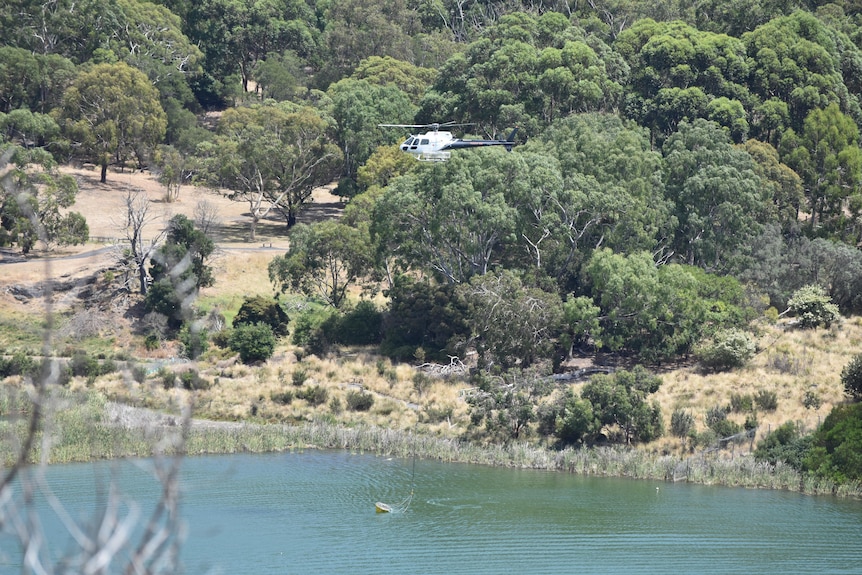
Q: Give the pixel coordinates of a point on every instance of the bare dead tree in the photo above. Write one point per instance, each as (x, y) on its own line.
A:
(134, 258)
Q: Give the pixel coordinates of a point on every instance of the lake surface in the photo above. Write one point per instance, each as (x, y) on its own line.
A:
(313, 513)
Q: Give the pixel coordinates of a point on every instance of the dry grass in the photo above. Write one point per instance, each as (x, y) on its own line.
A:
(790, 362)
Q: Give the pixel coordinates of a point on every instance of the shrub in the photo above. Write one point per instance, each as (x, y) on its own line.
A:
(152, 342)
(139, 373)
(299, 375)
(851, 377)
(169, 378)
(194, 340)
(192, 380)
(82, 365)
(282, 397)
(313, 394)
(813, 307)
(728, 349)
(681, 423)
(741, 403)
(19, 364)
(785, 444)
(359, 400)
(835, 446)
(359, 326)
(811, 400)
(253, 342)
(262, 309)
(766, 400)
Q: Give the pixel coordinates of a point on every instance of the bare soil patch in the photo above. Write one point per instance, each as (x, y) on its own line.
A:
(103, 207)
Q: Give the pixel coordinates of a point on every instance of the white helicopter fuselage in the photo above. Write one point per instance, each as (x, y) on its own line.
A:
(428, 147)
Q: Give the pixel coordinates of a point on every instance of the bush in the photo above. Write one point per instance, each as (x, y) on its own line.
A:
(784, 444)
(728, 349)
(811, 400)
(851, 377)
(82, 365)
(813, 307)
(716, 420)
(837, 444)
(139, 373)
(359, 400)
(152, 342)
(194, 340)
(282, 397)
(313, 394)
(681, 423)
(19, 364)
(299, 375)
(262, 309)
(192, 380)
(741, 403)
(253, 342)
(359, 326)
(766, 400)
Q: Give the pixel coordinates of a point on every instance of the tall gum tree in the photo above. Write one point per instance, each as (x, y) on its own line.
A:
(111, 114)
(271, 156)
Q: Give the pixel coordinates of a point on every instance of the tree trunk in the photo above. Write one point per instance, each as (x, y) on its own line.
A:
(252, 235)
(142, 277)
(104, 176)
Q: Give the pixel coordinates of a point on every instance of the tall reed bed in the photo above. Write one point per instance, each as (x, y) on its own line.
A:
(83, 427)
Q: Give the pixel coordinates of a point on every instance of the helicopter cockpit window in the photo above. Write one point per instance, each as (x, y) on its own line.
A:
(408, 142)
(424, 142)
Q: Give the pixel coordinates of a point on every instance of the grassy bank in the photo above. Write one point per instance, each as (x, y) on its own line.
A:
(85, 426)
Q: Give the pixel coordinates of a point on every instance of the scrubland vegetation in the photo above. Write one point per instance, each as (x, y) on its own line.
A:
(665, 269)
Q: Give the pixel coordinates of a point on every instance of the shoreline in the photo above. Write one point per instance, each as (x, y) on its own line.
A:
(133, 432)
(87, 427)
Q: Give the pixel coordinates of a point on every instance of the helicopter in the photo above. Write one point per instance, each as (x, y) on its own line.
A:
(434, 145)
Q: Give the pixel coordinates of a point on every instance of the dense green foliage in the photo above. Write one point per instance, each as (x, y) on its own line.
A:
(727, 349)
(851, 377)
(179, 270)
(253, 342)
(262, 309)
(835, 449)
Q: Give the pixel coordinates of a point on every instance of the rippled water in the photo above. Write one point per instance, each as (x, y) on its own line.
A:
(313, 513)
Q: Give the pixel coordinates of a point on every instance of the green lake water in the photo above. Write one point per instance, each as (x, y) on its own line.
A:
(313, 513)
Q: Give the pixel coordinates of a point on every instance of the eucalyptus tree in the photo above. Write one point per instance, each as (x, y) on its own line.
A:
(411, 79)
(785, 194)
(611, 193)
(358, 107)
(622, 399)
(325, 260)
(526, 71)
(451, 218)
(235, 35)
(803, 63)
(512, 323)
(679, 72)
(827, 156)
(359, 29)
(34, 201)
(111, 114)
(719, 200)
(657, 312)
(271, 156)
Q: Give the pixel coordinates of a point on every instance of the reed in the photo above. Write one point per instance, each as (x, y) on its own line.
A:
(84, 426)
